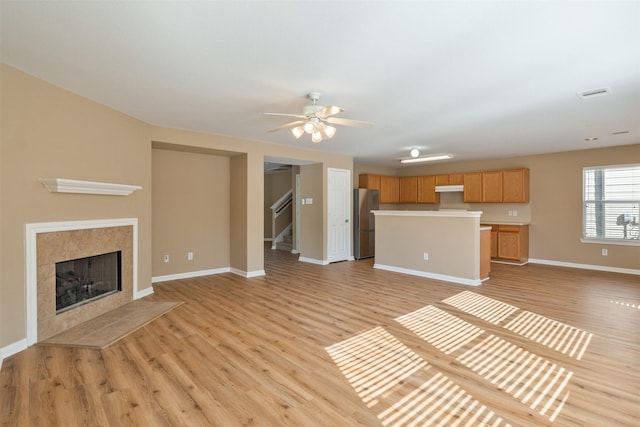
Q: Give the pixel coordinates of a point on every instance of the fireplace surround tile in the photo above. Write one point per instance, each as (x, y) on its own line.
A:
(60, 246)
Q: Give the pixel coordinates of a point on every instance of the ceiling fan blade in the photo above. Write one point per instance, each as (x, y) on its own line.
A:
(349, 122)
(287, 125)
(300, 116)
(328, 111)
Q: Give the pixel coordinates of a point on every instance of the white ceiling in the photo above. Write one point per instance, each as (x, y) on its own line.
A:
(477, 79)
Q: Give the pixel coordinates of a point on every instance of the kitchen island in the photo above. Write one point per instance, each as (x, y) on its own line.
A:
(442, 245)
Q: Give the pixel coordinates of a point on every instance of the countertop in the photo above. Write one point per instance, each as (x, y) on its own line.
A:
(455, 213)
(503, 222)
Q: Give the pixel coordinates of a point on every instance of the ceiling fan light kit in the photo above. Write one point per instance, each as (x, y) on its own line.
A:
(316, 120)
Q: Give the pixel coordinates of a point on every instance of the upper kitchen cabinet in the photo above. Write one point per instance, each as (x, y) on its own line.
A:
(367, 180)
(450, 179)
(442, 179)
(389, 189)
(492, 187)
(427, 189)
(388, 186)
(408, 189)
(456, 179)
(473, 187)
(503, 186)
(515, 186)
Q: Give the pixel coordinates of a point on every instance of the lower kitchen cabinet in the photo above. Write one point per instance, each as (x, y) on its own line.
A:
(510, 243)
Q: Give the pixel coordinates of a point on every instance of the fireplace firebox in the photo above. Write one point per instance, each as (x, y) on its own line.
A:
(83, 280)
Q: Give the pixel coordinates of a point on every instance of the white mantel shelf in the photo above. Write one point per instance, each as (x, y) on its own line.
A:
(62, 185)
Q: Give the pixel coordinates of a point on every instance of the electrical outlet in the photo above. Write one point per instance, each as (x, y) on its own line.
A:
(605, 252)
(515, 213)
(190, 256)
(426, 256)
(166, 258)
(510, 213)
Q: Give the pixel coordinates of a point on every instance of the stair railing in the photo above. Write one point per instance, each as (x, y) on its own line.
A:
(281, 216)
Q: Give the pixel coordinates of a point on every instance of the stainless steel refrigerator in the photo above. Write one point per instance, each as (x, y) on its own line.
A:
(364, 239)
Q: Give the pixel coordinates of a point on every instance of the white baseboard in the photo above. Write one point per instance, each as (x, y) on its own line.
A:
(295, 251)
(313, 261)
(200, 273)
(248, 274)
(12, 349)
(190, 274)
(144, 293)
(585, 266)
(453, 279)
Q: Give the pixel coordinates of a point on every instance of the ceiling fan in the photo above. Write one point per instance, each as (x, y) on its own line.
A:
(317, 120)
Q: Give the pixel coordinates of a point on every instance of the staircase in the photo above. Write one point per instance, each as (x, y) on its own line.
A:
(287, 242)
(281, 223)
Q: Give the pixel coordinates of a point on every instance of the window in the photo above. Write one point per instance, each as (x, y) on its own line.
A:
(611, 199)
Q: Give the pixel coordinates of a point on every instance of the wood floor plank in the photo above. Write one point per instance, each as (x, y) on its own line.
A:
(256, 351)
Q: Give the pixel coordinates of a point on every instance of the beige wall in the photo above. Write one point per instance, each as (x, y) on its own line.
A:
(555, 208)
(1, 210)
(48, 132)
(312, 239)
(240, 219)
(249, 186)
(191, 212)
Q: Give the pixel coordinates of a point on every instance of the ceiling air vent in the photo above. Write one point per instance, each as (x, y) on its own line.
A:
(587, 94)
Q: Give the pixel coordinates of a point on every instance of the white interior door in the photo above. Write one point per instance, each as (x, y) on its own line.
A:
(338, 214)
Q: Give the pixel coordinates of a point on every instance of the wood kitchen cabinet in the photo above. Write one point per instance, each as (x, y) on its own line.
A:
(515, 186)
(427, 189)
(367, 180)
(456, 179)
(494, 241)
(473, 187)
(513, 243)
(485, 258)
(388, 186)
(442, 179)
(450, 179)
(389, 189)
(492, 187)
(510, 243)
(408, 189)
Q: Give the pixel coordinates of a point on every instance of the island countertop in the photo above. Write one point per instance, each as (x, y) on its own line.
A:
(451, 213)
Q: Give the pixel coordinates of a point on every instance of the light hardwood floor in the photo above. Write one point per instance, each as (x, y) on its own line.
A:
(344, 345)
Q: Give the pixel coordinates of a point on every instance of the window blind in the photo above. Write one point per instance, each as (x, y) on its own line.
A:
(611, 199)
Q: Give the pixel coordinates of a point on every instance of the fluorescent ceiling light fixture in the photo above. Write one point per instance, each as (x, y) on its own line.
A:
(415, 152)
(428, 158)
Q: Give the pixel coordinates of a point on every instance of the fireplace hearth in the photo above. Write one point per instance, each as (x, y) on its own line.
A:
(83, 280)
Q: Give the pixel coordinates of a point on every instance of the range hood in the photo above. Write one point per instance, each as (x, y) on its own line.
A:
(449, 188)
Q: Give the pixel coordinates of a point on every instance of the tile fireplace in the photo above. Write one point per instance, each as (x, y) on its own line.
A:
(77, 271)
